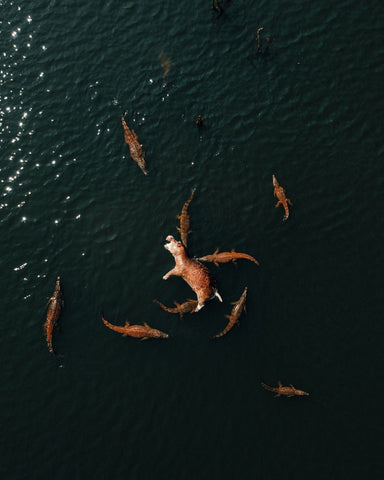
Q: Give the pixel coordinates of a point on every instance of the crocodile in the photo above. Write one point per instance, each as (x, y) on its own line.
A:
(224, 257)
(137, 153)
(279, 193)
(259, 41)
(237, 310)
(184, 220)
(187, 307)
(290, 391)
(165, 64)
(55, 304)
(136, 331)
(216, 6)
(192, 271)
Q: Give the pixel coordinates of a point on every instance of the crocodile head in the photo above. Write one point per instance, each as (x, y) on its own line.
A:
(159, 334)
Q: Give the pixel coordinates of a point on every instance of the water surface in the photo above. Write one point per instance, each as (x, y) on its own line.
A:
(74, 204)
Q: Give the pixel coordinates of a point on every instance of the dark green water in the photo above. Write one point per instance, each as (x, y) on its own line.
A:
(73, 203)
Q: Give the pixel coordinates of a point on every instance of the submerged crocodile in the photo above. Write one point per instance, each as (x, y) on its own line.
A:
(290, 391)
(259, 42)
(136, 331)
(192, 271)
(165, 64)
(279, 193)
(187, 307)
(237, 310)
(137, 153)
(184, 220)
(224, 257)
(55, 304)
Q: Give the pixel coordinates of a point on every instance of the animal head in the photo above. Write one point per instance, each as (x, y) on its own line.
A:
(173, 246)
(160, 334)
(300, 392)
(274, 181)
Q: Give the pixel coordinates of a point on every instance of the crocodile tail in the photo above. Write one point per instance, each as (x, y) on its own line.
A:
(104, 320)
(50, 347)
(252, 259)
(125, 126)
(286, 210)
(192, 194)
(48, 327)
(227, 328)
(109, 325)
(267, 387)
(164, 307)
(221, 334)
(187, 203)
